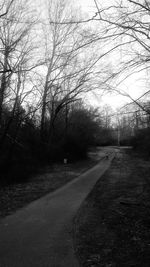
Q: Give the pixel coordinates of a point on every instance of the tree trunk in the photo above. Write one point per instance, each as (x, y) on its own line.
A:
(42, 126)
(3, 84)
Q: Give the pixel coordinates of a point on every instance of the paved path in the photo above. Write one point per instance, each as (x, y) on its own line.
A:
(39, 234)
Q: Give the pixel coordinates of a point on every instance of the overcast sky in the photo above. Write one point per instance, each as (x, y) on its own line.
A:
(134, 85)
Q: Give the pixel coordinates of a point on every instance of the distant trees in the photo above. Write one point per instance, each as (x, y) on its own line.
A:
(72, 137)
(75, 129)
(82, 131)
(131, 126)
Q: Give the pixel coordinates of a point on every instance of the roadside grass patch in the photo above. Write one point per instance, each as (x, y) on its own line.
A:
(112, 225)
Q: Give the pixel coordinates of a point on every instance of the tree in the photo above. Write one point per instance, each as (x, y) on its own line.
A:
(5, 9)
(128, 21)
(83, 128)
(67, 66)
(16, 52)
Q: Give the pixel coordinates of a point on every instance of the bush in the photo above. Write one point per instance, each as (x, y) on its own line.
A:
(141, 141)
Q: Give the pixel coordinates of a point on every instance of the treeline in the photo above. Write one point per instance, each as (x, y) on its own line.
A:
(141, 142)
(134, 127)
(74, 130)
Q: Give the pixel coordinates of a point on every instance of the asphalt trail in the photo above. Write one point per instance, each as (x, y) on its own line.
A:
(39, 234)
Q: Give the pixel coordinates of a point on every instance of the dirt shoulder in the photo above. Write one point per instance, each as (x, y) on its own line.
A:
(112, 226)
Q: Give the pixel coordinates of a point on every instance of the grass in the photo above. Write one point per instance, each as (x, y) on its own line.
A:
(50, 178)
(112, 226)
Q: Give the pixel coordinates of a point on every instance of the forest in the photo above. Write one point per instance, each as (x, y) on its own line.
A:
(53, 59)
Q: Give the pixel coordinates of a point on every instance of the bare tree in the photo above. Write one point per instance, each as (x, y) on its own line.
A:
(129, 21)
(5, 9)
(16, 53)
(68, 66)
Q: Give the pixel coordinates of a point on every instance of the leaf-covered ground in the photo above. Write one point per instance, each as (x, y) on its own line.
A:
(112, 227)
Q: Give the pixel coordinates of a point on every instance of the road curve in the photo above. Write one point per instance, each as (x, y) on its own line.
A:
(39, 234)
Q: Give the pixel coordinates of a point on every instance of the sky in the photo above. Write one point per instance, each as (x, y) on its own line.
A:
(87, 5)
(134, 85)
